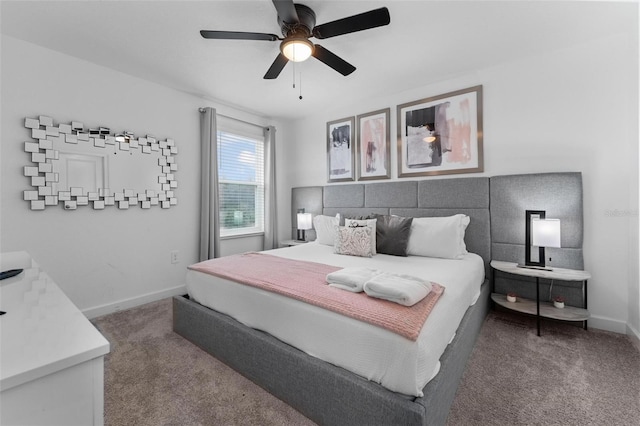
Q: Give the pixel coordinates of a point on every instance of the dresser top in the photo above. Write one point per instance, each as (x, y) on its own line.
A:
(42, 331)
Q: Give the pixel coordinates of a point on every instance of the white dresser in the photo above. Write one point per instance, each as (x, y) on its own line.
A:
(51, 356)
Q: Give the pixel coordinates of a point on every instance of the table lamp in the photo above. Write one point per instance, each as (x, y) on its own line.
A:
(540, 232)
(305, 221)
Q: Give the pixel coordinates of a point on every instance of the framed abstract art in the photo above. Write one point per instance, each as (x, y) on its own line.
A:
(340, 150)
(373, 146)
(441, 135)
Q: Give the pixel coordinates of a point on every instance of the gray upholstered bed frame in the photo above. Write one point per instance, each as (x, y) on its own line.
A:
(330, 395)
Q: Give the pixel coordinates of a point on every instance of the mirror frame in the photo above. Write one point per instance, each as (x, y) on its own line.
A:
(44, 157)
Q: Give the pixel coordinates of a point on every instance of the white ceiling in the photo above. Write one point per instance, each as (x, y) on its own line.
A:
(427, 41)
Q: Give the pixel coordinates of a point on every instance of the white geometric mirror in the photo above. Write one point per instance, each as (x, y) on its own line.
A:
(77, 166)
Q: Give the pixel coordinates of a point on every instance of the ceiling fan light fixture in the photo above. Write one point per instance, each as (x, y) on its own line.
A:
(298, 23)
(296, 49)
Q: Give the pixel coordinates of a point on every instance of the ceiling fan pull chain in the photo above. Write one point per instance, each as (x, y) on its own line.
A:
(293, 68)
(300, 97)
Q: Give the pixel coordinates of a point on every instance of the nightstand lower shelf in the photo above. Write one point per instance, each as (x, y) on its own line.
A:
(547, 310)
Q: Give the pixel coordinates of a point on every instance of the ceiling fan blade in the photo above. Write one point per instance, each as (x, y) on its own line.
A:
(276, 67)
(334, 61)
(363, 21)
(237, 35)
(286, 11)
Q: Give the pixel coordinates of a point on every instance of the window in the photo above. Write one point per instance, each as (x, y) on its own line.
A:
(241, 181)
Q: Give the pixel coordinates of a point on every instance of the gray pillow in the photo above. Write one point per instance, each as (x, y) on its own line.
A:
(392, 234)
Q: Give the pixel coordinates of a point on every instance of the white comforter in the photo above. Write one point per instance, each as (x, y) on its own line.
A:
(382, 356)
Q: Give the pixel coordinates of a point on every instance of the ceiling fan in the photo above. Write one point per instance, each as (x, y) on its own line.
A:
(298, 23)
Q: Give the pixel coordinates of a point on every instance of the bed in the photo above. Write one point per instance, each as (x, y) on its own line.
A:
(331, 393)
(383, 356)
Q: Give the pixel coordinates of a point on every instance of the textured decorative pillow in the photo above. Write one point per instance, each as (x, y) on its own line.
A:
(353, 241)
(439, 236)
(392, 234)
(371, 223)
(325, 229)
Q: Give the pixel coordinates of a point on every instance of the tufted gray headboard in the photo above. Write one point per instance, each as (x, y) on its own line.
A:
(443, 197)
(496, 206)
(559, 194)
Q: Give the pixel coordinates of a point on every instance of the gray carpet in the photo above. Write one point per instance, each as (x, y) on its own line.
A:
(155, 377)
(565, 377)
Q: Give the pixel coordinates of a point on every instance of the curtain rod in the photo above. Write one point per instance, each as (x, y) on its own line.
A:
(237, 119)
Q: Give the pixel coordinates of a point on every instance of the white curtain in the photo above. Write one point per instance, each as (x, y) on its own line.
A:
(209, 223)
(270, 215)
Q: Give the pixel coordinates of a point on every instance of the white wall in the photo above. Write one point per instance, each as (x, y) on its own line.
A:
(569, 110)
(107, 259)
(633, 325)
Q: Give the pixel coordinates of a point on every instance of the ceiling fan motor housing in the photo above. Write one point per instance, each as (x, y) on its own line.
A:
(303, 28)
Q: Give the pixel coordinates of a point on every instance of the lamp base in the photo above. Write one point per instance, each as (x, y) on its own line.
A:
(301, 235)
(541, 268)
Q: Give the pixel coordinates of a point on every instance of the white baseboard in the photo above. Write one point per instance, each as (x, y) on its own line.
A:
(120, 305)
(616, 326)
(634, 335)
(607, 324)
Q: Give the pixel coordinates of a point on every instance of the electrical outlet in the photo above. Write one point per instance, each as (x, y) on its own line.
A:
(174, 256)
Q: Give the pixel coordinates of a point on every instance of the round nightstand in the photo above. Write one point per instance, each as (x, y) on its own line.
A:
(536, 307)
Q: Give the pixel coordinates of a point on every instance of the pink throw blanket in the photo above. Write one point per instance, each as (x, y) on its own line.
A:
(306, 281)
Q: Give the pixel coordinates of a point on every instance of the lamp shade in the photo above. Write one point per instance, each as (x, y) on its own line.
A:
(305, 221)
(545, 232)
(296, 49)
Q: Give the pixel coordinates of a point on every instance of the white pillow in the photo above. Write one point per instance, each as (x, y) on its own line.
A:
(438, 236)
(325, 229)
(370, 223)
(353, 241)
